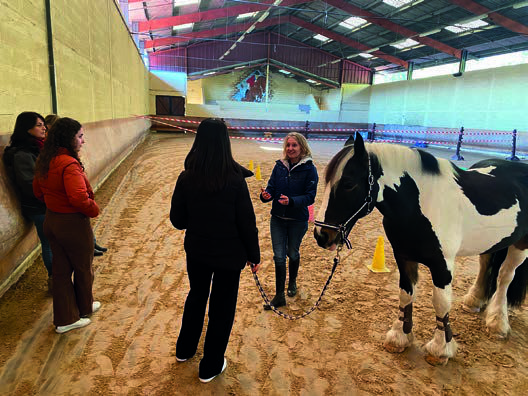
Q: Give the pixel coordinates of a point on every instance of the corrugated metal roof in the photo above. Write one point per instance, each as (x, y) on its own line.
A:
(215, 22)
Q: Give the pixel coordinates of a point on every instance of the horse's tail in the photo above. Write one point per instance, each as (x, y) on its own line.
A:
(518, 286)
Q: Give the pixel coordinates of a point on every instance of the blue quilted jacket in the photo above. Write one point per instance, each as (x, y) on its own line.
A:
(299, 184)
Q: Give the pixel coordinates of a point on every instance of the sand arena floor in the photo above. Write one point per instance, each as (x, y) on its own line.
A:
(142, 284)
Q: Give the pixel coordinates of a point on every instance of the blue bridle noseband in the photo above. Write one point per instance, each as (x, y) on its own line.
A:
(342, 228)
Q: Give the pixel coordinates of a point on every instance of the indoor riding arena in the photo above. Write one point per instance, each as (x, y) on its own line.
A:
(140, 87)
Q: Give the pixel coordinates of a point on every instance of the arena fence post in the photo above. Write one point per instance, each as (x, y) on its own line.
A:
(457, 156)
(513, 157)
(306, 129)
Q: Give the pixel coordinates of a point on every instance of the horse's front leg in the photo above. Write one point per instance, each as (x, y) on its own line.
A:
(400, 336)
(443, 346)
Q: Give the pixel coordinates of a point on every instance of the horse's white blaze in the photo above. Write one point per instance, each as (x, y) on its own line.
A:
(324, 205)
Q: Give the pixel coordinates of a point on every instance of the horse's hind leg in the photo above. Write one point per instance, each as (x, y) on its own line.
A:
(400, 336)
(497, 311)
(476, 296)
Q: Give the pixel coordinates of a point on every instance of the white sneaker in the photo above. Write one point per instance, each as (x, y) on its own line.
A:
(206, 380)
(95, 306)
(80, 323)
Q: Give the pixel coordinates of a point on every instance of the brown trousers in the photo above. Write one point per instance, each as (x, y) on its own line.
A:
(72, 244)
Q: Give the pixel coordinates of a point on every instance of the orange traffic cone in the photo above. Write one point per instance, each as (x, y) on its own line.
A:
(250, 166)
(378, 261)
(258, 176)
(311, 214)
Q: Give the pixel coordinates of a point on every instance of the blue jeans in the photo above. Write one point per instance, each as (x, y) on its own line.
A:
(38, 219)
(286, 238)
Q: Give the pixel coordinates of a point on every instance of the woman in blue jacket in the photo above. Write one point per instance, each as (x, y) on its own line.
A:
(292, 188)
(211, 202)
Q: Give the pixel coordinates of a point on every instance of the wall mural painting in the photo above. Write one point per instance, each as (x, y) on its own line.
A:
(252, 88)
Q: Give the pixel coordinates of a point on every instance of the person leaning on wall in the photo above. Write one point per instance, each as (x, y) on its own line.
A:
(19, 158)
(50, 120)
(292, 187)
(61, 183)
(211, 202)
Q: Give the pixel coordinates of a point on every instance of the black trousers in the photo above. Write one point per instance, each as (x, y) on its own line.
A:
(223, 287)
(72, 244)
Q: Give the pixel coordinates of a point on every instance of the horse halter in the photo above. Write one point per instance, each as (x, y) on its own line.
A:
(341, 228)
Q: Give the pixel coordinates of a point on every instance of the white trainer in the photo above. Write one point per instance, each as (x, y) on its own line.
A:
(206, 380)
(76, 325)
(95, 306)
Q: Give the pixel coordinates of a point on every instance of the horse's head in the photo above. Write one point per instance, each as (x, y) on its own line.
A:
(349, 194)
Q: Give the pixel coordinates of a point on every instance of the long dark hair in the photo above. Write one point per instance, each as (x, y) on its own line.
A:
(24, 122)
(60, 135)
(210, 159)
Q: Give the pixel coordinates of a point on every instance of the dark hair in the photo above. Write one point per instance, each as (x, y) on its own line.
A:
(210, 159)
(24, 122)
(60, 135)
(50, 120)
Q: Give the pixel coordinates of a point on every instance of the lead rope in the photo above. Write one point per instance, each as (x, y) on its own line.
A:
(288, 316)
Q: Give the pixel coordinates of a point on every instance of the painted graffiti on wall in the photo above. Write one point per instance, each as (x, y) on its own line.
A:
(252, 88)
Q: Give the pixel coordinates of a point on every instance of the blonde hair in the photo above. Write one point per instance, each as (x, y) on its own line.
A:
(303, 143)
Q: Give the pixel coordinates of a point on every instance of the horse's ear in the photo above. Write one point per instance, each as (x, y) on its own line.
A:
(349, 141)
(359, 146)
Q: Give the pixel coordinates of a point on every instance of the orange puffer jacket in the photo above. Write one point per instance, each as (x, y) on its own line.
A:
(66, 189)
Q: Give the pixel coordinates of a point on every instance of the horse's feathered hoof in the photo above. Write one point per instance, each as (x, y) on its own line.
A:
(469, 309)
(394, 349)
(436, 360)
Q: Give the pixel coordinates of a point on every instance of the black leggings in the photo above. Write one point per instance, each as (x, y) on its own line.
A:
(222, 308)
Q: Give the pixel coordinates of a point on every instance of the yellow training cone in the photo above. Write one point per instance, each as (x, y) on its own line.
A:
(250, 166)
(378, 261)
(257, 173)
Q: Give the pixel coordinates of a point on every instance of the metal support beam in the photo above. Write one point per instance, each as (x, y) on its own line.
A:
(346, 40)
(497, 18)
(211, 15)
(389, 25)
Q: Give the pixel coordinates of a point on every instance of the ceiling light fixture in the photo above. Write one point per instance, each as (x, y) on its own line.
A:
(405, 44)
(179, 3)
(463, 27)
(397, 3)
(353, 22)
(246, 15)
(320, 37)
(184, 26)
(520, 5)
(430, 32)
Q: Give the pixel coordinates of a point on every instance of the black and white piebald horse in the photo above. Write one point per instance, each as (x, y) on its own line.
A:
(432, 212)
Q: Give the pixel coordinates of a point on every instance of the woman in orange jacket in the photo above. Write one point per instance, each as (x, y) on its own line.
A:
(61, 183)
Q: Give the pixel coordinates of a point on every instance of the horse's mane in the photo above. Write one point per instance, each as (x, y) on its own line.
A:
(396, 157)
(332, 166)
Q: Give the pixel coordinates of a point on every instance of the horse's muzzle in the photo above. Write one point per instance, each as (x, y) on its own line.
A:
(325, 237)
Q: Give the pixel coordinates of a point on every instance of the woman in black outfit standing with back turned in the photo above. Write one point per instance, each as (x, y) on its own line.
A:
(211, 202)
